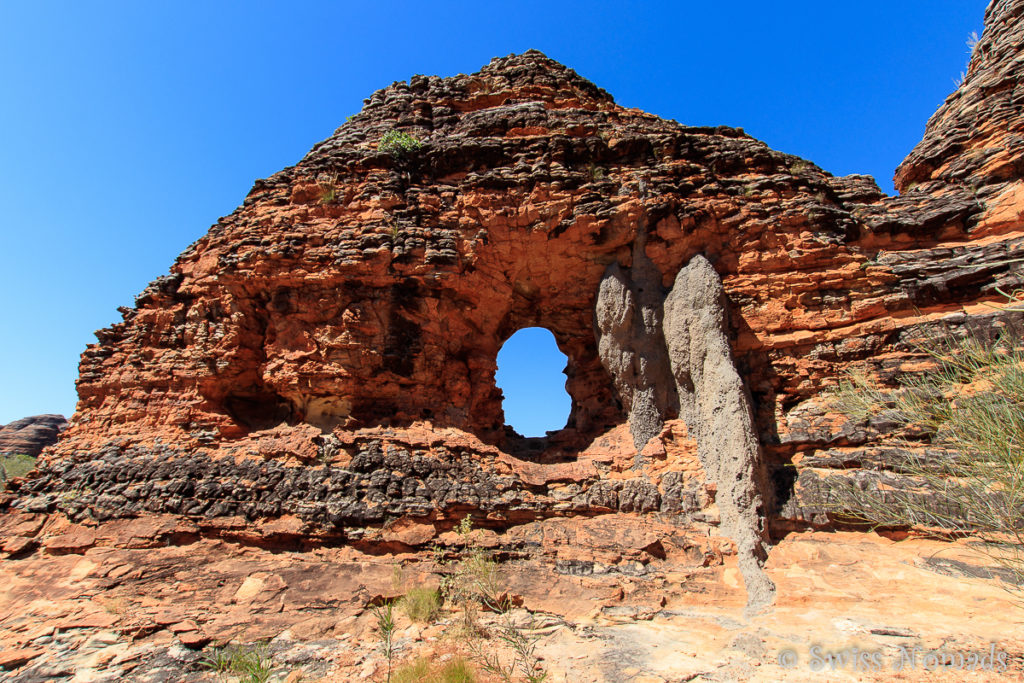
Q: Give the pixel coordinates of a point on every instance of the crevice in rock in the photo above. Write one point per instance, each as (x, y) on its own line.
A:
(258, 410)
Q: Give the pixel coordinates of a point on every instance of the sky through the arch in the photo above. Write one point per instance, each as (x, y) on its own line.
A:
(129, 127)
(530, 376)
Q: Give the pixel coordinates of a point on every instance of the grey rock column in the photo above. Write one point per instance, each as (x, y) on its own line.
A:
(630, 344)
(716, 407)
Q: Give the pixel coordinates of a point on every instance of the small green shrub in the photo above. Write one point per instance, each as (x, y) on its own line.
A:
(12, 466)
(251, 663)
(472, 580)
(386, 632)
(328, 191)
(398, 144)
(421, 604)
(422, 671)
(799, 166)
(523, 663)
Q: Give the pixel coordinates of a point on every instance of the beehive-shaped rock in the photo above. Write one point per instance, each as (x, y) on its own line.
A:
(328, 351)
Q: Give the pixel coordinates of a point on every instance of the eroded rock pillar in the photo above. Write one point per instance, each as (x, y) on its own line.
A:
(715, 404)
(628, 315)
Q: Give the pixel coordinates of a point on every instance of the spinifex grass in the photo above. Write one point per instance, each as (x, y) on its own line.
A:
(972, 404)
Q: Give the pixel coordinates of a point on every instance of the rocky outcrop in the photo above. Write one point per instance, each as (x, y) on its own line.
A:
(976, 138)
(30, 435)
(327, 352)
(136, 600)
(669, 355)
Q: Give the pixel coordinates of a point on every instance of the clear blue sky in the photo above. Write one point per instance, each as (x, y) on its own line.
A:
(127, 128)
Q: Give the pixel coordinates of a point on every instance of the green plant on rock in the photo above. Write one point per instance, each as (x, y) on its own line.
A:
(327, 183)
(385, 617)
(472, 580)
(972, 46)
(68, 498)
(421, 604)
(423, 671)
(250, 663)
(971, 404)
(523, 663)
(398, 143)
(799, 166)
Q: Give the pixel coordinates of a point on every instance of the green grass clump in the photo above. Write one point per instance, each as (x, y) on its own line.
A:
(421, 604)
(12, 466)
(422, 671)
(251, 663)
(327, 184)
(971, 403)
(398, 144)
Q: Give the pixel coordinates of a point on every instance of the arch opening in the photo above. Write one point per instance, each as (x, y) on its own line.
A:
(531, 377)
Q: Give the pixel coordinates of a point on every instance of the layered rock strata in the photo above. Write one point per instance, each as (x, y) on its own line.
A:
(30, 435)
(328, 350)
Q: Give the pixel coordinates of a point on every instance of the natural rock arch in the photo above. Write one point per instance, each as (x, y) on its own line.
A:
(327, 351)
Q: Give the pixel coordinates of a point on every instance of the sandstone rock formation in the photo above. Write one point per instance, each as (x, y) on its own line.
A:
(30, 435)
(319, 368)
(631, 343)
(668, 354)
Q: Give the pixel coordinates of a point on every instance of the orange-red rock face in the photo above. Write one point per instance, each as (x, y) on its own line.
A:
(328, 351)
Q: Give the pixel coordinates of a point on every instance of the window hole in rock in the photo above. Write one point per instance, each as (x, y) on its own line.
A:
(531, 377)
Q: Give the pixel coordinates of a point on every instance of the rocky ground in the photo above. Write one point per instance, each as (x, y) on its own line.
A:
(148, 600)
